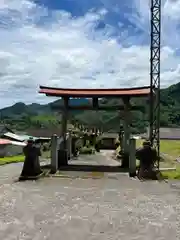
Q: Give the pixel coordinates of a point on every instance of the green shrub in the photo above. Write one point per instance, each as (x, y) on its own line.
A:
(175, 174)
(117, 145)
(87, 150)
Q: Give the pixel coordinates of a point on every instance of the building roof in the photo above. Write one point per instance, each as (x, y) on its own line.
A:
(4, 141)
(9, 142)
(109, 135)
(166, 133)
(47, 132)
(169, 133)
(26, 137)
(43, 132)
(40, 133)
(13, 136)
(17, 137)
(16, 143)
(60, 92)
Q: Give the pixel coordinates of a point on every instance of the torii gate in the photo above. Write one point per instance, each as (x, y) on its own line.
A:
(153, 90)
(125, 94)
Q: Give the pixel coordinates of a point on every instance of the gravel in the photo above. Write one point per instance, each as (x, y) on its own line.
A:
(87, 209)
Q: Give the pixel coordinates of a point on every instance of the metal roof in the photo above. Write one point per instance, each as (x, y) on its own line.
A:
(60, 92)
(170, 133)
(48, 132)
(25, 137)
(4, 141)
(109, 135)
(14, 136)
(9, 142)
(18, 143)
(17, 137)
(166, 133)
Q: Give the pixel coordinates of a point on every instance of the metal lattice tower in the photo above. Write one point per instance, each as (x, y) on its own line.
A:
(155, 73)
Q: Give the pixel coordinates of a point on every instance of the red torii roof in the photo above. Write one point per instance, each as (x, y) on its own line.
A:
(122, 92)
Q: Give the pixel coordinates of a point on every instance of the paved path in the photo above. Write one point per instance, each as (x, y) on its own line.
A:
(78, 209)
(102, 158)
(89, 209)
(11, 172)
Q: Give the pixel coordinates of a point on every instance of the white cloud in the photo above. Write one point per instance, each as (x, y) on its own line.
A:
(67, 52)
(172, 9)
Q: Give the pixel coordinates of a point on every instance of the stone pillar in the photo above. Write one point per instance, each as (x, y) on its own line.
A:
(54, 153)
(126, 138)
(132, 158)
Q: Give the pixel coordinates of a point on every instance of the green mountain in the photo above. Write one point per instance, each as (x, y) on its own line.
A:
(23, 116)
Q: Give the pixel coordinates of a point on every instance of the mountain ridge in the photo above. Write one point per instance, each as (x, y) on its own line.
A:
(169, 117)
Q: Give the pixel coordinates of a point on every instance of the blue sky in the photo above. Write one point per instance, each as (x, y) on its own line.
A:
(82, 43)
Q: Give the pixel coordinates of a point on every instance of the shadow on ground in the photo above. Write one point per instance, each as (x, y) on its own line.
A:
(90, 168)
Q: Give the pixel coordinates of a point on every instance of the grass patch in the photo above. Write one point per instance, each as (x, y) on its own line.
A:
(44, 118)
(175, 174)
(46, 154)
(170, 147)
(87, 150)
(13, 159)
(117, 150)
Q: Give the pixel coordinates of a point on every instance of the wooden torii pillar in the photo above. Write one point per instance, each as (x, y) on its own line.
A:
(127, 132)
(63, 151)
